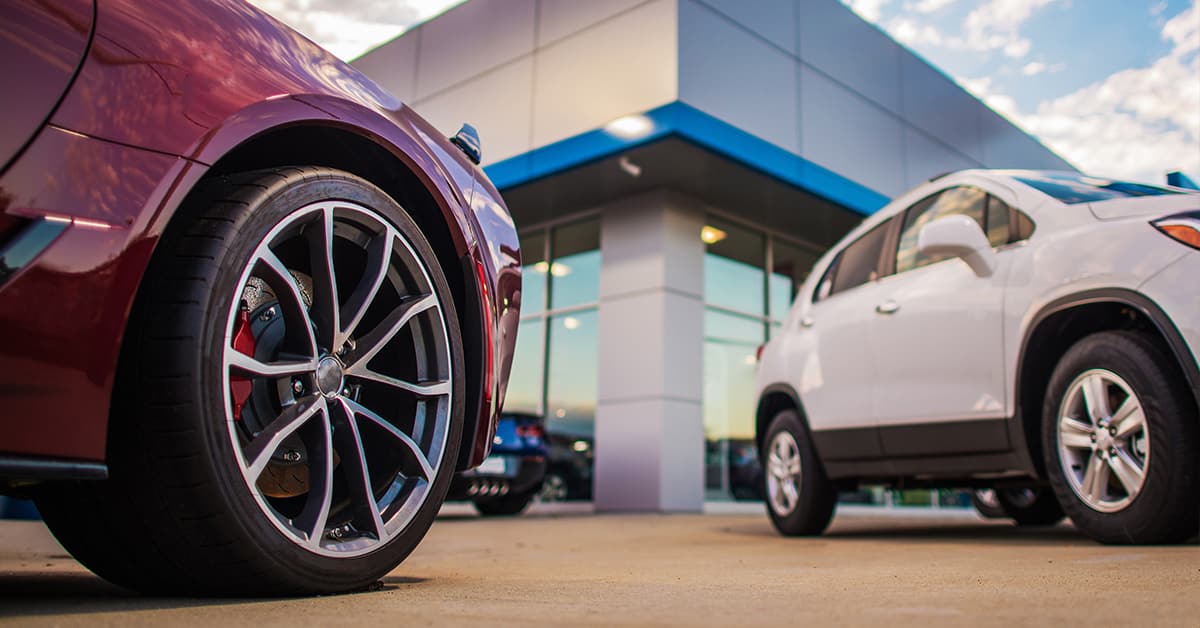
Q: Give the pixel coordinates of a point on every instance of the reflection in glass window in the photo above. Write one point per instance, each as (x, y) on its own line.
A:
(729, 362)
(998, 230)
(733, 267)
(571, 373)
(575, 268)
(790, 267)
(525, 379)
(533, 273)
(964, 201)
(858, 263)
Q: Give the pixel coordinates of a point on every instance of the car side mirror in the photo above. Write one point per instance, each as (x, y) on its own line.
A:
(958, 236)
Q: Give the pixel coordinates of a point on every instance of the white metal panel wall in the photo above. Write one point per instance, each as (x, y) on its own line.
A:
(497, 103)
(620, 65)
(737, 76)
(838, 43)
(773, 20)
(560, 18)
(394, 65)
(470, 39)
(850, 135)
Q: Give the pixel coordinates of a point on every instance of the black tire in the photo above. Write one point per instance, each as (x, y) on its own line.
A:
(1030, 507)
(507, 506)
(811, 509)
(988, 504)
(178, 514)
(1166, 509)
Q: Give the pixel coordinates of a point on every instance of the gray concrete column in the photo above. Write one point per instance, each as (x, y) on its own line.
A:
(649, 424)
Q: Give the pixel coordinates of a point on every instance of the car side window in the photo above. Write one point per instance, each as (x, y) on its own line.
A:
(1006, 224)
(963, 200)
(857, 264)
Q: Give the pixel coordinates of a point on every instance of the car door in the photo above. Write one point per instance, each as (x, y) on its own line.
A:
(836, 371)
(938, 331)
(41, 45)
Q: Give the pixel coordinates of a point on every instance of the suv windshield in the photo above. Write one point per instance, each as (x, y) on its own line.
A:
(1076, 188)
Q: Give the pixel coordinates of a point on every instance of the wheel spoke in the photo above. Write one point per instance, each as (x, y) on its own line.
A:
(379, 255)
(291, 299)
(1095, 397)
(1128, 418)
(242, 362)
(358, 474)
(315, 516)
(1095, 479)
(258, 452)
(1075, 434)
(325, 303)
(416, 463)
(1128, 471)
(435, 388)
(378, 338)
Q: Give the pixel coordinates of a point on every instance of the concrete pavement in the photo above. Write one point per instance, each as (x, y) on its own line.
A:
(563, 566)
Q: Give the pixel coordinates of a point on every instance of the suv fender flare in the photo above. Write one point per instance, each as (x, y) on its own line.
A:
(1140, 302)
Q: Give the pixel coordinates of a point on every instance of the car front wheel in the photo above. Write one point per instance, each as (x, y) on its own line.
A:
(288, 408)
(800, 498)
(1120, 440)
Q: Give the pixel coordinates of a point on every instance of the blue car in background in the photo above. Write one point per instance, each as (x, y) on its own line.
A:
(513, 475)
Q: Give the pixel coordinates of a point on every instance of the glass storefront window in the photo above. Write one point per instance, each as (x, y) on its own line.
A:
(730, 342)
(533, 273)
(571, 368)
(575, 268)
(733, 267)
(790, 267)
(526, 378)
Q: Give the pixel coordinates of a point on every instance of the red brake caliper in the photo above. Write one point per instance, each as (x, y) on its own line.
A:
(243, 341)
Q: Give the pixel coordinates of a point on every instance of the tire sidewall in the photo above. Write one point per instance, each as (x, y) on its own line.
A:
(1126, 356)
(814, 504)
(300, 566)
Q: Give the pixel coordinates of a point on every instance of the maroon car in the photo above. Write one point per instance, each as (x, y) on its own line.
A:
(254, 312)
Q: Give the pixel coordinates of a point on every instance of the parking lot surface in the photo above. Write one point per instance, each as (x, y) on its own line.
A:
(564, 566)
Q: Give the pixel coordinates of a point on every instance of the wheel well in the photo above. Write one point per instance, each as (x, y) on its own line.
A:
(769, 405)
(1051, 339)
(338, 148)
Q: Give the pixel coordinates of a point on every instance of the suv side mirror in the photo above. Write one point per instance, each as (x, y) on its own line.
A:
(958, 236)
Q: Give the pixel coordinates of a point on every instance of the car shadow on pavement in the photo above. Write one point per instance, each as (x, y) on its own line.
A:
(32, 594)
(918, 531)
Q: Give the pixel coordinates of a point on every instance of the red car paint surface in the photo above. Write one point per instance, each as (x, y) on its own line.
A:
(161, 95)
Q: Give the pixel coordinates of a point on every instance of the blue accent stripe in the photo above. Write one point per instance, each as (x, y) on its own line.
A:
(679, 119)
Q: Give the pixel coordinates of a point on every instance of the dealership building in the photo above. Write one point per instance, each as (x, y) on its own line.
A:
(674, 168)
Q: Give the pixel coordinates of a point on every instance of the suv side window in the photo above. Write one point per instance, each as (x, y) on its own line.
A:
(857, 264)
(964, 200)
(1006, 224)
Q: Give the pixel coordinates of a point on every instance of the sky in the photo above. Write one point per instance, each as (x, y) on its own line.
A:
(1111, 85)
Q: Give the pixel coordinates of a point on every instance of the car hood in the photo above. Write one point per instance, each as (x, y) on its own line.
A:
(1119, 208)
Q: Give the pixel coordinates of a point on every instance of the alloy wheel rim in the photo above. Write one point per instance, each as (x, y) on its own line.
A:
(1103, 441)
(350, 383)
(783, 473)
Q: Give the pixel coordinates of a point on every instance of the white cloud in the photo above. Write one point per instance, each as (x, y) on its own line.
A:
(928, 6)
(348, 28)
(996, 25)
(868, 10)
(1033, 68)
(1135, 124)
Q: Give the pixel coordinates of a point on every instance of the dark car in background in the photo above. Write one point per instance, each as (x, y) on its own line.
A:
(255, 313)
(512, 476)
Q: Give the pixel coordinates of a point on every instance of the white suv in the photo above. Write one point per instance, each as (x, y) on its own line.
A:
(1031, 332)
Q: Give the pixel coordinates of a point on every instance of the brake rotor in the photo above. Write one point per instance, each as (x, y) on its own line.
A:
(287, 474)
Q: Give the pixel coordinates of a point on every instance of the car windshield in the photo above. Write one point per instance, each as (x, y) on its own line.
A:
(1076, 188)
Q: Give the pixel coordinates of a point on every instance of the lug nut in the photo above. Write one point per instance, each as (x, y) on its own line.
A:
(1093, 438)
(1112, 452)
(1112, 431)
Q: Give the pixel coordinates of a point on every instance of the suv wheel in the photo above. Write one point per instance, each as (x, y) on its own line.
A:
(1120, 436)
(800, 498)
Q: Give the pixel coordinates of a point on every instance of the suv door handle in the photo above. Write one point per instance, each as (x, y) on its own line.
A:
(887, 307)
(807, 322)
